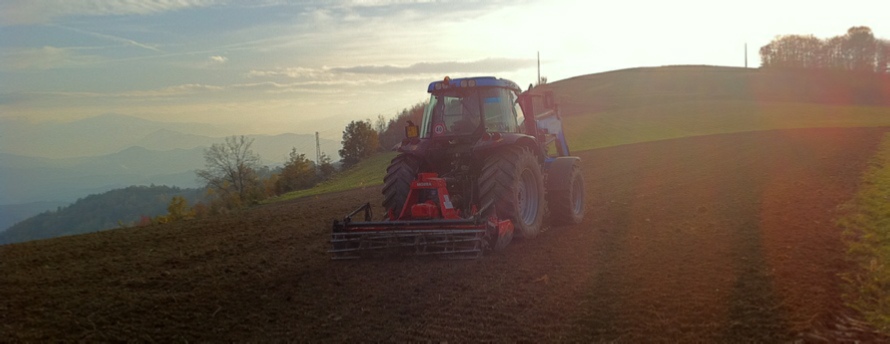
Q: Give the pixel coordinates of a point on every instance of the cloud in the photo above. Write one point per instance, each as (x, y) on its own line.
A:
(190, 90)
(293, 73)
(178, 90)
(125, 41)
(218, 59)
(375, 74)
(495, 65)
(47, 57)
(23, 12)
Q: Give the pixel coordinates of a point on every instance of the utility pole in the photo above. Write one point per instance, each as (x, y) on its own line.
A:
(317, 151)
(539, 68)
(746, 55)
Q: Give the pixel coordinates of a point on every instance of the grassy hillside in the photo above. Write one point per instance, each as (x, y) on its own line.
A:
(654, 87)
(366, 173)
(706, 117)
(648, 104)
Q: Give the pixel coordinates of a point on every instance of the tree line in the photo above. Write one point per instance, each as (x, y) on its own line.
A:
(857, 50)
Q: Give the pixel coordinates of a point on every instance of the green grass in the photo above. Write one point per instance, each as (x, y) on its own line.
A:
(867, 235)
(366, 173)
(695, 118)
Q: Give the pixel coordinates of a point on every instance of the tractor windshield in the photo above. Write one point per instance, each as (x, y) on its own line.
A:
(461, 111)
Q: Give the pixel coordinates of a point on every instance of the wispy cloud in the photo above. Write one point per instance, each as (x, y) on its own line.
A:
(293, 73)
(19, 12)
(388, 72)
(125, 41)
(47, 57)
(494, 65)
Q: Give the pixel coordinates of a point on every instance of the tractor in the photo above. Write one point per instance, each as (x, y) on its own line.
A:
(486, 161)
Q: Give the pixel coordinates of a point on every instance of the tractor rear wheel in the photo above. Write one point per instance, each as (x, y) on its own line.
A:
(401, 172)
(567, 206)
(512, 184)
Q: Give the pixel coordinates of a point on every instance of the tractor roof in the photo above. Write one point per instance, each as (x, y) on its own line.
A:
(479, 81)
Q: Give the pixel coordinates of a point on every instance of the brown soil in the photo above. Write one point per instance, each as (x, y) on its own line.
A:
(727, 238)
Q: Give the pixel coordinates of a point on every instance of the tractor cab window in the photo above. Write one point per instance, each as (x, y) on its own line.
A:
(520, 116)
(500, 114)
(461, 111)
(455, 113)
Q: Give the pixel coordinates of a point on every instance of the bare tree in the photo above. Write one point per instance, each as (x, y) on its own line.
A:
(230, 171)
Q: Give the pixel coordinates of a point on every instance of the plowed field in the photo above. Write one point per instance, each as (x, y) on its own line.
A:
(727, 238)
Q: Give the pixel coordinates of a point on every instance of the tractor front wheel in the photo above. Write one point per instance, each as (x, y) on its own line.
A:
(567, 206)
(512, 184)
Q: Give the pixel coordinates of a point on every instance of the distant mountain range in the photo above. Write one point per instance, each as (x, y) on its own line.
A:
(45, 165)
(112, 133)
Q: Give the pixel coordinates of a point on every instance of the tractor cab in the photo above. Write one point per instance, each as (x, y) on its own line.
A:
(471, 107)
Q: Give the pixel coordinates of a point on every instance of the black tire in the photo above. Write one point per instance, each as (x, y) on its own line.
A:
(567, 206)
(401, 172)
(512, 184)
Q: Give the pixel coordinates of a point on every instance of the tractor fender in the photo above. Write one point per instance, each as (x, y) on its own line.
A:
(558, 173)
(418, 148)
(508, 140)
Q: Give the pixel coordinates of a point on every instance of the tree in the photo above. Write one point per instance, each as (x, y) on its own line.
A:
(325, 168)
(298, 173)
(360, 141)
(857, 50)
(395, 130)
(230, 171)
(177, 210)
(861, 48)
(883, 56)
(793, 51)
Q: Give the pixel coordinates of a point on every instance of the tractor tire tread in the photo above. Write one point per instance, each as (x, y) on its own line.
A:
(498, 182)
(402, 170)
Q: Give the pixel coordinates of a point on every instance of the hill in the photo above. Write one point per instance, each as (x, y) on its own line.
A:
(107, 210)
(646, 104)
(11, 214)
(659, 86)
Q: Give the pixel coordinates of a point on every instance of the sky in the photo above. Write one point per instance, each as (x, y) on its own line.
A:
(270, 67)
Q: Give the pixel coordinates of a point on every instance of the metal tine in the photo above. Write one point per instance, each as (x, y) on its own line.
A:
(384, 245)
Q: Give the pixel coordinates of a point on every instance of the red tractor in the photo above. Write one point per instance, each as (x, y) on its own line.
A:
(482, 165)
